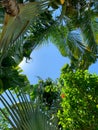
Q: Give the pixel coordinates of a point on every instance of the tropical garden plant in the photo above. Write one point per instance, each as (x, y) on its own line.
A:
(75, 33)
(79, 93)
(21, 113)
(69, 32)
(72, 100)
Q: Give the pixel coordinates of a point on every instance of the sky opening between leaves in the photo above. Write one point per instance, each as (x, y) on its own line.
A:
(47, 62)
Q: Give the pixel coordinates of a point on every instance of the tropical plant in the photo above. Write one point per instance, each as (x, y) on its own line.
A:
(17, 23)
(3, 121)
(11, 77)
(72, 100)
(69, 30)
(75, 32)
(22, 113)
(11, 42)
(48, 95)
(79, 93)
(69, 103)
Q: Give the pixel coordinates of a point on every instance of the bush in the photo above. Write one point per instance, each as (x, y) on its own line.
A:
(79, 105)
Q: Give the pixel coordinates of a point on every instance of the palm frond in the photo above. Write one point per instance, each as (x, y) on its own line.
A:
(22, 113)
(57, 36)
(38, 33)
(75, 43)
(15, 26)
(88, 32)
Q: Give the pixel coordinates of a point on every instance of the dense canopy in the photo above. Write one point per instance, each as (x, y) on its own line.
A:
(72, 26)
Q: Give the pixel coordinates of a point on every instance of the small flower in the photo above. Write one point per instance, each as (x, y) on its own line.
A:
(62, 95)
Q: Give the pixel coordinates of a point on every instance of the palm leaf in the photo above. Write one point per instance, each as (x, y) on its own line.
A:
(22, 113)
(88, 32)
(75, 43)
(15, 26)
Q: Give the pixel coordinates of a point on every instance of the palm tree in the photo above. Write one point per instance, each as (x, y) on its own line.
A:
(22, 113)
(17, 23)
(69, 31)
(74, 31)
(12, 39)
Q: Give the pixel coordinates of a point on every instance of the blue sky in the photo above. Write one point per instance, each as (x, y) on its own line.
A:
(47, 62)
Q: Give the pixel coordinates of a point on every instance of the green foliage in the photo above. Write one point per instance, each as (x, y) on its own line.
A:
(22, 113)
(79, 93)
(38, 33)
(58, 37)
(72, 100)
(69, 31)
(75, 33)
(47, 95)
(11, 77)
(4, 124)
